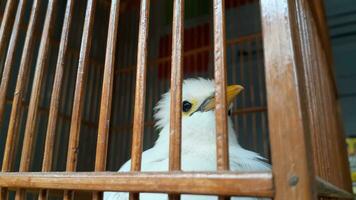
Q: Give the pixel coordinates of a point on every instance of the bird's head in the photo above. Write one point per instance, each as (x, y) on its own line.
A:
(198, 104)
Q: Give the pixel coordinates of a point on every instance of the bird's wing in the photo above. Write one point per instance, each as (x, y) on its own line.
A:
(243, 160)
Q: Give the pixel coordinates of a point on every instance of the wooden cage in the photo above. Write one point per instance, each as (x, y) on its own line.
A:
(77, 96)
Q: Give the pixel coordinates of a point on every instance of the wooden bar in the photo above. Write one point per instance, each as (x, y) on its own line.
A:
(320, 35)
(139, 110)
(56, 92)
(154, 63)
(35, 93)
(227, 183)
(175, 141)
(317, 8)
(220, 81)
(79, 90)
(57, 85)
(38, 79)
(176, 87)
(17, 105)
(20, 89)
(221, 107)
(10, 56)
(106, 96)
(326, 189)
(6, 24)
(140, 93)
(289, 128)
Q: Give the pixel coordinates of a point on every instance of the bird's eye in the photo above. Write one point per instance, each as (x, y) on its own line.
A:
(186, 106)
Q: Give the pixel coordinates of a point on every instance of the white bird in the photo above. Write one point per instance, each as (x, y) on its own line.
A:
(198, 139)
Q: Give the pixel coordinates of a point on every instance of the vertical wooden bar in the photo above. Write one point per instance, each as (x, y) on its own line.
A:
(106, 96)
(57, 85)
(221, 107)
(56, 91)
(140, 93)
(6, 24)
(79, 90)
(10, 56)
(288, 121)
(176, 90)
(20, 88)
(12, 134)
(220, 81)
(340, 173)
(318, 11)
(35, 93)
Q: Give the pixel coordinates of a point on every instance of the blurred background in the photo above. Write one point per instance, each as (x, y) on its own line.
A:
(341, 18)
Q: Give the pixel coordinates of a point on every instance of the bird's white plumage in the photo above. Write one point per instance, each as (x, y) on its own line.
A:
(198, 143)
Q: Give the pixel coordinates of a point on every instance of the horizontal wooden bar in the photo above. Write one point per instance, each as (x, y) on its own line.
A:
(327, 189)
(219, 183)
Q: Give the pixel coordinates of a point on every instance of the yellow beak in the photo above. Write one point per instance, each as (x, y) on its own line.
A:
(231, 92)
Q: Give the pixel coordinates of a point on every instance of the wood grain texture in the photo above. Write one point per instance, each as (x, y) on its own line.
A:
(175, 135)
(79, 90)
(221, 107)
(227, 183)
(36, 87)
(57, 85)
(336, 169)
(41, 62)
(16, 110)
(326, 189)
(12, 134)
(220, 88)
(106, 96)
(140, 88)
(317, 9)
(10, 55)
(56, 91)
(6, 25)
(289, 124)
(140, 91)
(80, 86)
(176, 87)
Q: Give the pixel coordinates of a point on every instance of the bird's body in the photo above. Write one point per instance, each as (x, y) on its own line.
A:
(198, 143)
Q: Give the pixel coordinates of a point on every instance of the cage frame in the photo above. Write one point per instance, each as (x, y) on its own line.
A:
(287, 28)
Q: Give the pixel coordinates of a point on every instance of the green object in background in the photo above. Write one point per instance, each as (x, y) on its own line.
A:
(192, 9)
